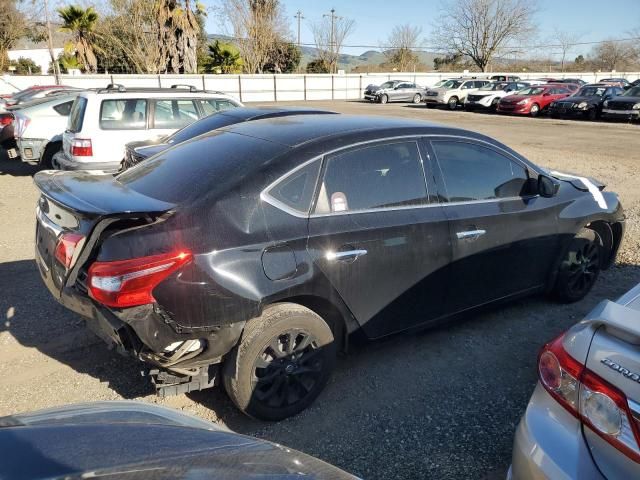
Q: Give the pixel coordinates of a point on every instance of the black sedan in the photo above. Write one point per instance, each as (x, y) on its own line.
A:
(260, 247)
(585, 103)
(134, 440)
(136, 152)
(623, 107)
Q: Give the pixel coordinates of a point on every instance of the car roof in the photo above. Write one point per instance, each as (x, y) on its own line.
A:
(248, 113)
(308, 128)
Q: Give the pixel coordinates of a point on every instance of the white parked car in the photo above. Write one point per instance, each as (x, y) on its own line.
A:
(38, 127)
(453, 92)
(487, 97)
(102, 122)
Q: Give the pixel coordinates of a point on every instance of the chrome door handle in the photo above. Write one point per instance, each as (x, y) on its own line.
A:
(470, 234)
(345, 255)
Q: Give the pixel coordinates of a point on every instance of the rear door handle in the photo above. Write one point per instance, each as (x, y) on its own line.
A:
(345, 255)
(470, 234)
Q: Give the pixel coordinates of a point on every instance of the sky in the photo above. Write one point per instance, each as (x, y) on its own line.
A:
(593, 20)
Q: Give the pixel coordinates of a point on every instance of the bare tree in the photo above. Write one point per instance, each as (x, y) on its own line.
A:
(128, 35)
(566, 42)
(400, 45)
(258, 26)
(479, 28)
(329, 35)
(613, 55)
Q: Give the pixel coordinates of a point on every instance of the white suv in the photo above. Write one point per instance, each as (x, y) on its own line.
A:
(453, 92)
(103, 121)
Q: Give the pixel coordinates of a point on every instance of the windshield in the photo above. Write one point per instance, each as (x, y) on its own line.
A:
(632, 92)
(591, 92)
(451, 84)
(440, 83)
(531, 91)
(387, 85)
(494, 87)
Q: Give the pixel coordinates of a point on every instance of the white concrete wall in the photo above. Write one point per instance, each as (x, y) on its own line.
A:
(39, 55)
(264, 88)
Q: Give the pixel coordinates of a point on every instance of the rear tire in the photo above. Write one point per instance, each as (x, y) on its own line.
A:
(50, 150)
(580, 267)
(281, 364)
(417, 98)
(592, 115)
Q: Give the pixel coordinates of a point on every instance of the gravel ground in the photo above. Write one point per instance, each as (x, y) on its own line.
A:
(440, 404)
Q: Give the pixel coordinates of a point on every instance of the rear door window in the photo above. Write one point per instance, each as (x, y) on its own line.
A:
(123, 114)
(76, 117)
(377, 176)
(174, 113)
(472, 172)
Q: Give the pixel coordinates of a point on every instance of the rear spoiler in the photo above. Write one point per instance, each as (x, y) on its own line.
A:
(622, 321)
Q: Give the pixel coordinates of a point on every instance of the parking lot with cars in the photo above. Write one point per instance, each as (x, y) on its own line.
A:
(442, 403)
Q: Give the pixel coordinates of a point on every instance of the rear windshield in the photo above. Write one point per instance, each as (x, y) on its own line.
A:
(205, 166)
(632, 92)
(77, 115)
(202, 126)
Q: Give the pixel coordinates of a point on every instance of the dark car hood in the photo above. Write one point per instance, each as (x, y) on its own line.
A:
(136, 440)
(622, 98)
(590, 99)
(145, 143)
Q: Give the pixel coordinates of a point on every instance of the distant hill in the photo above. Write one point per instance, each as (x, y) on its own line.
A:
(347, 62)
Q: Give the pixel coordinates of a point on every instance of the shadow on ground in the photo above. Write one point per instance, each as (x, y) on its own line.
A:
(442, 403)
(16, 167)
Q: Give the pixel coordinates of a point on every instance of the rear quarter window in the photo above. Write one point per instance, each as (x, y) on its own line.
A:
(76, 116)
(64, 109)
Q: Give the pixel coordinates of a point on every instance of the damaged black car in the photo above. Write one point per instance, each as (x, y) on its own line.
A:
(248, 256)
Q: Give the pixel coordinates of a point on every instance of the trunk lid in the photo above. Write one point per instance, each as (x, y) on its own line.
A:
(614, 355)
(84, 204)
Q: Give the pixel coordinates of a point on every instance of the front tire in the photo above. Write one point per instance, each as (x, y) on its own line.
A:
(534, 111)
(384, 99)
(580, 267)
(452, 103)
(281, 364)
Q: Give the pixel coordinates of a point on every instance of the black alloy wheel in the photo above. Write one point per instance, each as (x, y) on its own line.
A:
(581, 266)
(281, 363)
(287, 370)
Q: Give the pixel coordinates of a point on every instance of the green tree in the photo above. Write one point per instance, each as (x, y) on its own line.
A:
(12, 27)
(283, 58)
(318, 66)
(25, 66)
(224, 58)
(81, 24)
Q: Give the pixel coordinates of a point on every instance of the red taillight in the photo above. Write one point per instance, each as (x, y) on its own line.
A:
(127, 283)
(598, 404)
(81, 148)
(66, 247)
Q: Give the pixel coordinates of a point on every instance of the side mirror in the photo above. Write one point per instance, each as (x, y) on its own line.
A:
(547, 187)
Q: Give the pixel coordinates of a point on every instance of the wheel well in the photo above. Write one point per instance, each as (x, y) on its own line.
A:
(50, 146)
(605, 231)
(342, 324)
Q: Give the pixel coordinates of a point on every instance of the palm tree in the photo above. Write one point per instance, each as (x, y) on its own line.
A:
(225, 57)
(81, 24)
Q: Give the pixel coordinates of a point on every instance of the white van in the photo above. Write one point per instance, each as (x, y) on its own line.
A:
(103, 121)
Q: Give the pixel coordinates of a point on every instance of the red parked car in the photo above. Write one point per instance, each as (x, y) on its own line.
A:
(532, 100)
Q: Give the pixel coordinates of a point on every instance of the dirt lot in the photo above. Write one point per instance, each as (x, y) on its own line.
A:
(442, 404)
